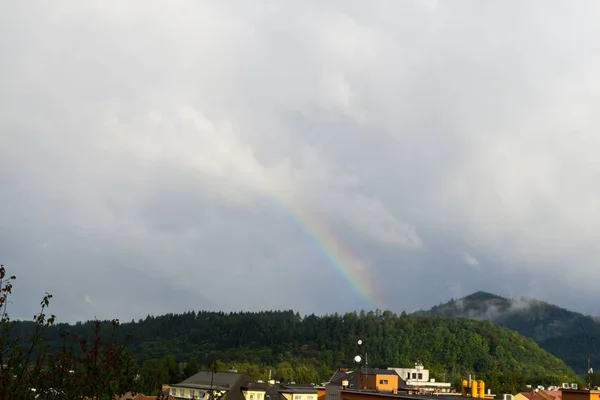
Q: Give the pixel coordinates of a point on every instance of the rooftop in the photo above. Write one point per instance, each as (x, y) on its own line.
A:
(400, 395)
(216, 380)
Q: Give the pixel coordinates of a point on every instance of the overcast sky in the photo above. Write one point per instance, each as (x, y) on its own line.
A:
(164, 156)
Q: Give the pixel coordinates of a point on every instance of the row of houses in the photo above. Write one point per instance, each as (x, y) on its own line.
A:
(343, 385)
(563, 393)
(411, 380)
(233, 386)
(359, 384)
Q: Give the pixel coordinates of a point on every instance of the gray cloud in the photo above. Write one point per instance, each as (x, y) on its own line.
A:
(153, 155)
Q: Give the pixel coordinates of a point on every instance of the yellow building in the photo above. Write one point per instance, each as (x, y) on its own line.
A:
(296, 392)
(278, 391)
(255, 391)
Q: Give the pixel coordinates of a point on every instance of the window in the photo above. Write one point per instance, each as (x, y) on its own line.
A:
(173, 391)
(181, 392)
(251, 397)
(420, 376)
(310, 398)
(414, 375)
(297, 397)
(193, 394)
(383, 381)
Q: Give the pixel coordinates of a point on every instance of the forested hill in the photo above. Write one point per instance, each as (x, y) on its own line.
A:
(451, 348)
(568, 335)
(531, 317)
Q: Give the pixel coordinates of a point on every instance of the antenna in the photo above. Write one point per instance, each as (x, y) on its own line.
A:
(590, 372)
(357, 360)
(366, 360)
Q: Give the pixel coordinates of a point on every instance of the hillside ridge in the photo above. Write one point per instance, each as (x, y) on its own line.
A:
(569, 335)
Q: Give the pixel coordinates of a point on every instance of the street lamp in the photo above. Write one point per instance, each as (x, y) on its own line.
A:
(358, 360)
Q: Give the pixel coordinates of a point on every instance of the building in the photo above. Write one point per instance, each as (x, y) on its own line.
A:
(222, 385)
(417, 379)
(255, 391)
(383, 380)
(278, 391)
(296, 392)
(580, 394)
(321, 392)
(368, 378)
(539, 395)
(372, 379)
(416, 374)
(139, 396)
(351, 394)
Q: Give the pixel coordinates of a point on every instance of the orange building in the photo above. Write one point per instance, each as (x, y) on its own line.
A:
(575, 394)
(385, 380)
(380, 379)
(321, 392)
(363, 395)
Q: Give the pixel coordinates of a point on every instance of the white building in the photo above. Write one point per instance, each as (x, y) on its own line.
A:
(417, 379)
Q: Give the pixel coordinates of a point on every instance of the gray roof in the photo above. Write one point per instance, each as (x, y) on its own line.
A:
(256, 385)
(378, 371)
(296, 388)
(228, 381)
(340, 375)
(220, 380)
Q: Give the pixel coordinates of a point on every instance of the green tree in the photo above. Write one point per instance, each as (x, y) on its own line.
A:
(191, 368)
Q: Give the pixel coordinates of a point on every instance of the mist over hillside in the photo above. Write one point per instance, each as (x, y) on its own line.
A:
(567, 334)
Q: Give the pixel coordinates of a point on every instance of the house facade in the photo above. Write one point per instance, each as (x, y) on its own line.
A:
(208, 385)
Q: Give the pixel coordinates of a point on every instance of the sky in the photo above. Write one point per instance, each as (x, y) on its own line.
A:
(321, 156)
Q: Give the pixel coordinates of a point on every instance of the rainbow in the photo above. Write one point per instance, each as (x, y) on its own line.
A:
(341, 258)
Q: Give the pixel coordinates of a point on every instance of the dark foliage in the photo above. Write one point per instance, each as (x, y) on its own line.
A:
(70, 369)
(310, 348)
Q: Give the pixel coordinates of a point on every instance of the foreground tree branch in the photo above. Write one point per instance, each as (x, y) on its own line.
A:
(97, 368)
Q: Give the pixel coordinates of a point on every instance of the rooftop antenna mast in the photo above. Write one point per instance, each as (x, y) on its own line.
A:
(590, 371)
(357, 360)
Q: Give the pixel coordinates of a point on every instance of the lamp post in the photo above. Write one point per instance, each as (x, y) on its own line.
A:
(358, 360)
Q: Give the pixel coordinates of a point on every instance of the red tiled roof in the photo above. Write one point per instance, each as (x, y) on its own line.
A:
(543, 394)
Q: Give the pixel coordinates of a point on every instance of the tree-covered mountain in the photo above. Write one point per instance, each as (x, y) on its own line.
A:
(450, 348)
(568, 335)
